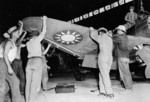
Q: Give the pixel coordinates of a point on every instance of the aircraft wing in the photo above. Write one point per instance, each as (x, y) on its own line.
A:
(71, 38)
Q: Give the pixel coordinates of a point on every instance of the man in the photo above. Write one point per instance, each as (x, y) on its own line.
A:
(104, 39)
(122, 52)
(17, 66)
(34, 64)
(17, 62)
(131, 18)
(45, 67)
(6, 72)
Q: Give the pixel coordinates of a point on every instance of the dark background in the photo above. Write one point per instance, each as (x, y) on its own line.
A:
(13, 10)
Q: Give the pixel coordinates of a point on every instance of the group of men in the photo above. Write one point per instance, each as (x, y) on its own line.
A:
(118, 42)
(36, 65)
(10, 61)
(107, 43)
(36, 68)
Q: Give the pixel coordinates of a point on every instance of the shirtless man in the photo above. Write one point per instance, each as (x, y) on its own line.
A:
(131, 18)
(17, 63)
(7, 55)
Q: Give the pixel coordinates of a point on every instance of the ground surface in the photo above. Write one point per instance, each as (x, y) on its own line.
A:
(140, 93)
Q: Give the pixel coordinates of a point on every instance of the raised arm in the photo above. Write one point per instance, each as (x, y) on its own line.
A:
(94, 34)
(42, 34)
(20, 29)
(21, 38)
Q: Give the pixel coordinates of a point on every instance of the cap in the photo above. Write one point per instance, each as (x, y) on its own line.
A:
(122, 28)
(12, 29)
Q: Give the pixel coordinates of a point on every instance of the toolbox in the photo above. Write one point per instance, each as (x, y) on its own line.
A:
(64, 88)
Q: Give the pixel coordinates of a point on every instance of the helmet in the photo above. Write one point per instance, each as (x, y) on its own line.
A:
(122, 28)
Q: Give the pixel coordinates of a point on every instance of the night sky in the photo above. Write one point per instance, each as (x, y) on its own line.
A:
(13, 10)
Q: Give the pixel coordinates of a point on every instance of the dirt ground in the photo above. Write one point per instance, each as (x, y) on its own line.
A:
(140, 93)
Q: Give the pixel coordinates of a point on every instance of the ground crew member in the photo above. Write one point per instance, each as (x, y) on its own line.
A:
(104, 40)
(122, 52)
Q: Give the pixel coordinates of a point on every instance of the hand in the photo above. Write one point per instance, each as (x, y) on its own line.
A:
(44, 17)
(48, 67)
(49, 44)
(10, 71)
(91, 28)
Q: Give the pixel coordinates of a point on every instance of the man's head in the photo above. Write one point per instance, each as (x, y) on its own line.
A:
(121, 29)
(131, 8)
(34, 33)
(12, 33)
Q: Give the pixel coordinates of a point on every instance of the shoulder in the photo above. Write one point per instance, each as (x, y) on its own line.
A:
(128, 14)
(9, 43)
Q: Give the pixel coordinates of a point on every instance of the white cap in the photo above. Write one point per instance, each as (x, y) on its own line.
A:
(12, 29)
(121, 27)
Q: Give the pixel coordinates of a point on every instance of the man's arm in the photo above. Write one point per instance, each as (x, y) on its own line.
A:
(20, 29)
(126, 17)
(21, 39)
(46, 50)
(7, 48)
(42, 34)
(93, 34)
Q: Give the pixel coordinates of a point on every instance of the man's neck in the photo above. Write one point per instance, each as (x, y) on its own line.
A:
(14, 40)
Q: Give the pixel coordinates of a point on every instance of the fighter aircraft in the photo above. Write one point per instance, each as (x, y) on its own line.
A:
(75, 40)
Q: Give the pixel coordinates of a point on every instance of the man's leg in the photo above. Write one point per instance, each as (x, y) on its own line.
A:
(21, 75)
(29, 73)
(103, 66)
(125, 74)
(44, 78)
(17, 67)
(36, 81)
(14, 86)
(101, 84)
